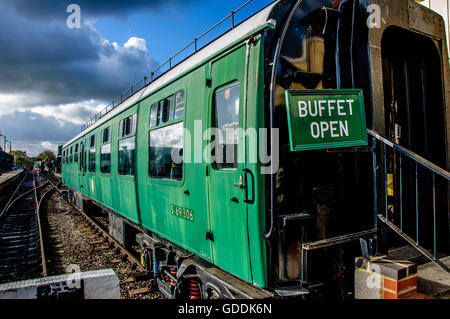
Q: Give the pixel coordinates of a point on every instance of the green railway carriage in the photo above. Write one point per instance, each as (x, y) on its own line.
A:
(209, 228)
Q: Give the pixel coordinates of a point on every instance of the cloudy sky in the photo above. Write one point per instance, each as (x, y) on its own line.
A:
(54, 78)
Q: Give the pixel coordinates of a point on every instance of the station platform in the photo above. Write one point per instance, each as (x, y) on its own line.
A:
(7, 177)
(433, 280)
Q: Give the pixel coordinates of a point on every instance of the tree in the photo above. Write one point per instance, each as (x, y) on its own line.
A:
(21, 158)
(18, 153)
(46, 154)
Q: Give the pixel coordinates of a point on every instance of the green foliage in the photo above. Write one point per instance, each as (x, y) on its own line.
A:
(46, 154)
(21, 158)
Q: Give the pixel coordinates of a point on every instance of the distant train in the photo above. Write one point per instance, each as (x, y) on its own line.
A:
(313, 73)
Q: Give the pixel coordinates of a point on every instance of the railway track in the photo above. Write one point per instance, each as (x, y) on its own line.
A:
(21, 245)
(92, 247)
(100, 230)
(26, 247)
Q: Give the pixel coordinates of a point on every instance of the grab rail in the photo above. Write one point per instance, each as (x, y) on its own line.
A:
(418, 162)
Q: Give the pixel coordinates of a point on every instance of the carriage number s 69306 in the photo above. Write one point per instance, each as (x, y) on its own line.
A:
(182, 212)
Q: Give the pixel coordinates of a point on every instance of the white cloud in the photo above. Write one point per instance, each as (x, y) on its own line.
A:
(137, 43)
(34, 148)
(10, 103)
(54, 79)
(78, 113)
(49, 146)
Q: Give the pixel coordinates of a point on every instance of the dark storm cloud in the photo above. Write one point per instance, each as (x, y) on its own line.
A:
(64, 64)
(31, 126)
(92, 8)
(53, 75)
(34, 133)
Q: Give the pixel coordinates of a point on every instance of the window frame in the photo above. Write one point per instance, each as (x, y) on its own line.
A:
(89, 160)
(102, 135)
(93, 138)
(121, 137)
(214, 115)
(110, 158)
(75, 160)
(159, 125)
(133, 126)
(118, 157)
(104, 143)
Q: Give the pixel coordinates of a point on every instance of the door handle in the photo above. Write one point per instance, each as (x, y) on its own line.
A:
(246, 173)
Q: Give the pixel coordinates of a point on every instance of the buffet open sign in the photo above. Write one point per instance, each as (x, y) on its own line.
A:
(320, 119)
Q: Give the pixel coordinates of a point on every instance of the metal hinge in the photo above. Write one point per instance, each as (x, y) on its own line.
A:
(207, 171)
(209, 236)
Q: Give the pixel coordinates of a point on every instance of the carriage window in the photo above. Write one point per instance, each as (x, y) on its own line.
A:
(93, 140)
(168, 108)
(105, 158)
(92, 160)
(160, 112)
(106, 135)
(179, 104)
(126, 156)
(71, 151)
(226, 120)
(128, 126)
(154, 114)
(76, 153)
(166, 152)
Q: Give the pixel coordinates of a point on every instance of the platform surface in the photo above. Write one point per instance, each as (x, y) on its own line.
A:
(433, 280)
(7, 176)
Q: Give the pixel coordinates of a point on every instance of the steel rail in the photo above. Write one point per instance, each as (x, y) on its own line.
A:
(113, 242)
(21, 196)
(38, 216)
(36, 202)
(12, 196)
(125, 253)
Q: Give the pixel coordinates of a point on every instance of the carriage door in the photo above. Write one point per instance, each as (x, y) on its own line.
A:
(228, 211)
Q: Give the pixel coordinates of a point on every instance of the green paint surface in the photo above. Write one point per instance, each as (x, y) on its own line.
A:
(238, 246)
(321, 119)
